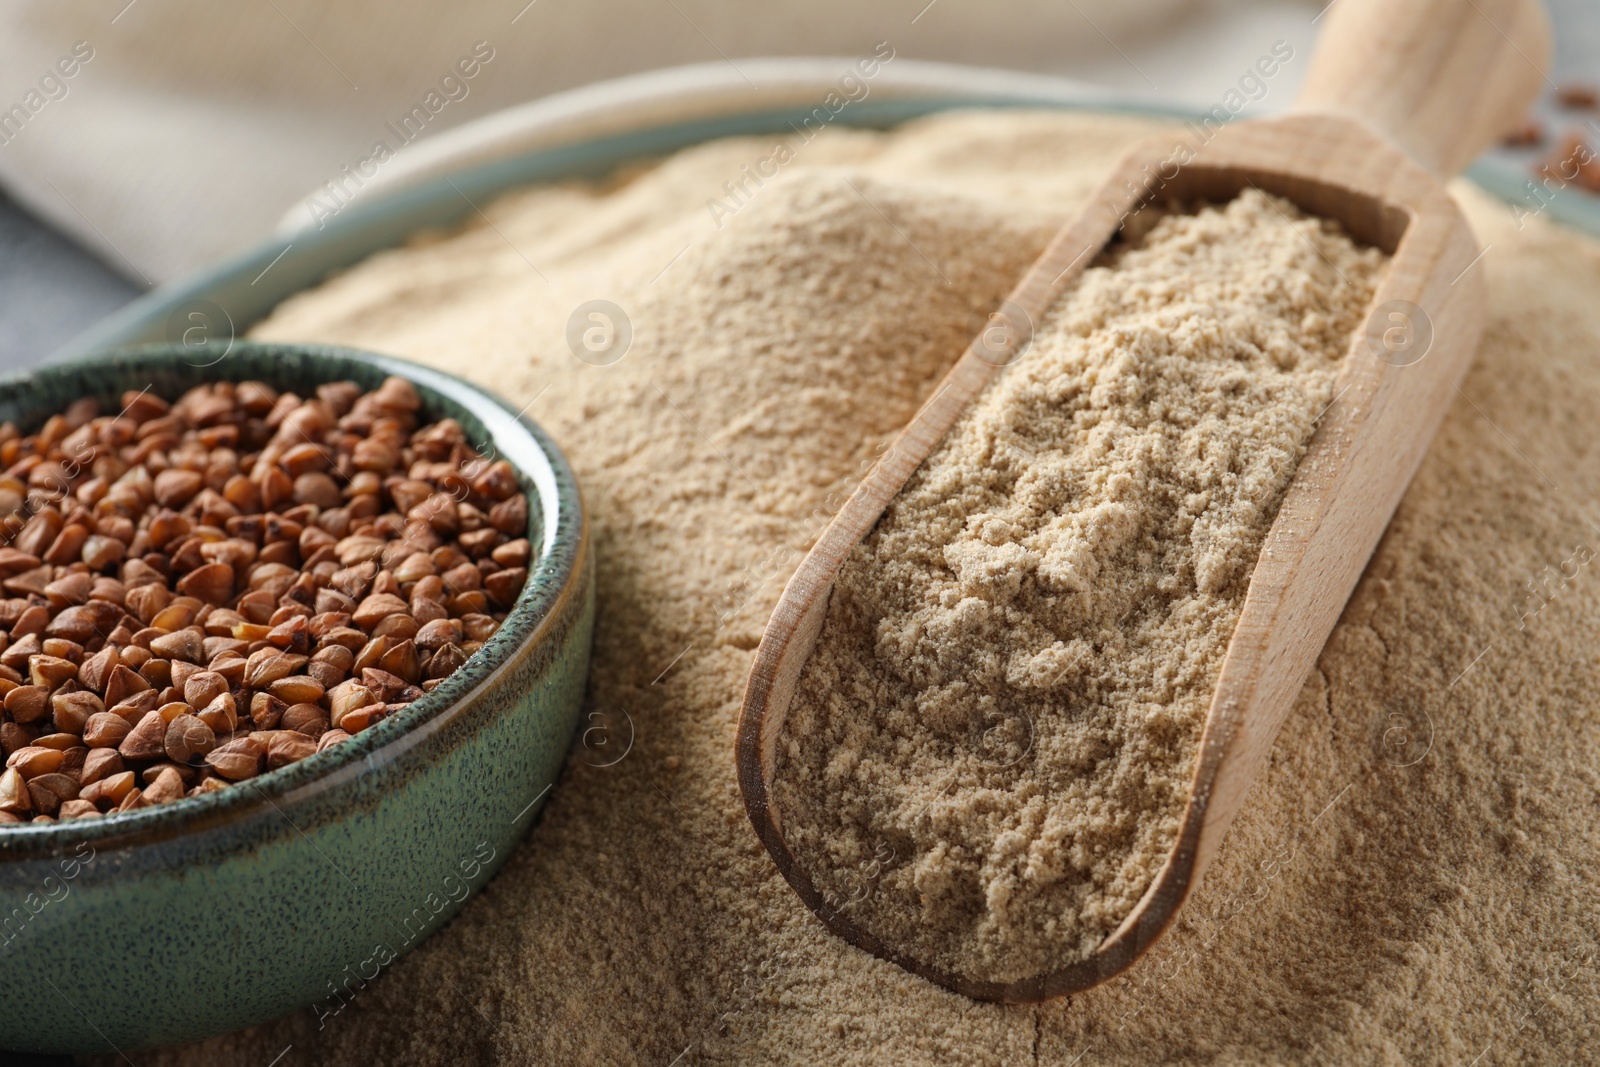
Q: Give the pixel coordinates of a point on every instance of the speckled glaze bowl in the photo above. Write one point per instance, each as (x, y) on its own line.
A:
(300, 886)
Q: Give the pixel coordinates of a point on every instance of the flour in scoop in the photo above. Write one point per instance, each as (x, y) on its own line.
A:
(988, 752)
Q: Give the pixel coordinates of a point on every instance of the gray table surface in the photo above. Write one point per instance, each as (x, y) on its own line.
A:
(50, 288)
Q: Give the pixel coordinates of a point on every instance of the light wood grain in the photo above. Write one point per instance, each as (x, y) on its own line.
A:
(1399, 95)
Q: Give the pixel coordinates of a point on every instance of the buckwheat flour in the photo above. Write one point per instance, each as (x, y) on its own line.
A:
(1361, 909)
(989, 749)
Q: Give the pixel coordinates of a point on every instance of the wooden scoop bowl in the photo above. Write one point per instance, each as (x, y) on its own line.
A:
(1400, 95)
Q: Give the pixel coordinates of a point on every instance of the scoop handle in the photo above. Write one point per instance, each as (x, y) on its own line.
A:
(1443, 79)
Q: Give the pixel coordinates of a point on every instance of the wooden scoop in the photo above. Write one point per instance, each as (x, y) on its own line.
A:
(1400, 95)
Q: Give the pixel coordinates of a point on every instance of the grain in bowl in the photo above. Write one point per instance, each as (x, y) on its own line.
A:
(200, 591)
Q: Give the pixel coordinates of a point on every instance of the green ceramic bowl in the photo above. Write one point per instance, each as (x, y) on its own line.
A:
(299, 887)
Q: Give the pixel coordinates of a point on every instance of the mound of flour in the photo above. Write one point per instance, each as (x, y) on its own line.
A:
(1428, 900)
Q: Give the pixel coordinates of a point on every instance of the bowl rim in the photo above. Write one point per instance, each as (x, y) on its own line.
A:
(545, 600)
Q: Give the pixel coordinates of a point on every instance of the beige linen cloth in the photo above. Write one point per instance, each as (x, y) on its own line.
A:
(184, 130)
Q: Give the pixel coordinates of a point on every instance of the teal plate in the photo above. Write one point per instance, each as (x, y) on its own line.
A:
(299, 887)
